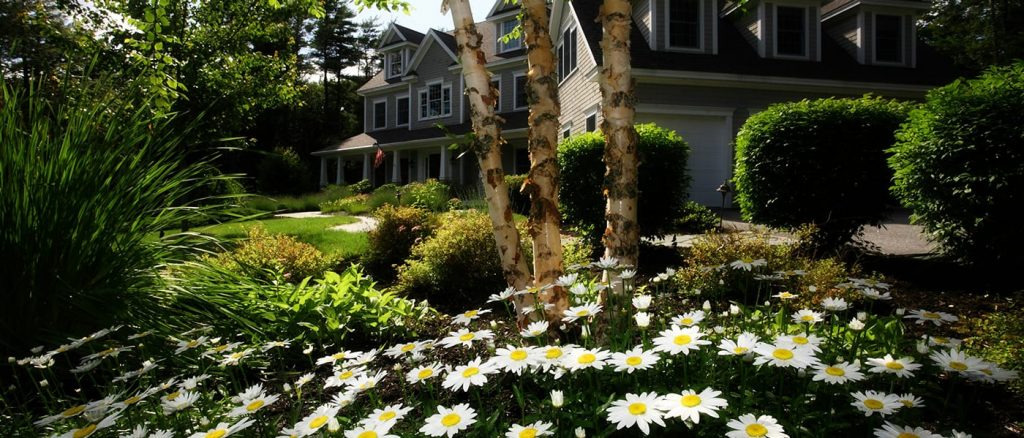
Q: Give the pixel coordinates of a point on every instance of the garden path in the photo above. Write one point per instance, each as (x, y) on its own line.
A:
(363, 224)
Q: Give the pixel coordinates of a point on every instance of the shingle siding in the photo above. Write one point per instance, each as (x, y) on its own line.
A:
(578, 94)
(433, 67)
(845, 32)
(642, 17)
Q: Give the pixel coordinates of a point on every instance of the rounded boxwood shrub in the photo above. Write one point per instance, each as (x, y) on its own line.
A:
(959, 166)
(819, 162)
(398, 229)
(663, 181)
(519, 200)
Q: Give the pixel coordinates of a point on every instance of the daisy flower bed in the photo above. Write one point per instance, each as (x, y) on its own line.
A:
(624, 359)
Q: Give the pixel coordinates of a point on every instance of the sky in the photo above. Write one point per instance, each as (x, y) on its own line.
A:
(426, 14)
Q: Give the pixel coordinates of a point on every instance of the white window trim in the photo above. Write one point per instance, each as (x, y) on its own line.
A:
(565, 127)
(373, 120)
(874, 41)
(497, 104)
(426, 89)
(587, 115)
(558, 51)
(515, 95)
(500, 47)
(668, 30)
(775, 32)
(408, 104)
(387, 61)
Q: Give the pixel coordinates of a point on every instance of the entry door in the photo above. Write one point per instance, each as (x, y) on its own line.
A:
(434, 166)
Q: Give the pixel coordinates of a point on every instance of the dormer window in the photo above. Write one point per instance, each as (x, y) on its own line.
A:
(889, 39)
(504, 28)
(567, 54)
(395, 64)
(685, 30)
(790, 31)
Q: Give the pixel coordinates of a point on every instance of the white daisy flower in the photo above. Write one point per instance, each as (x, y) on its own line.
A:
(473, 373)
(937, 318)
(321, 418)
(910, 400)
(504, 295)
(872, 402)
(224, 429)
(643, 319)
(252, 405)
(467, 317)
(627, 274)
(607, 263)
(875, 294)
(366, 381)
(785, 295)
(749, 426)
(553, 355)
(689, 319)
(403, 349)
(343, 376)
(890, 430)
(956, 361)
(110, 352)
(747, 263)
(941, 341)
(784, 355)
(343, 399)
(515, 359)
(536, 429)
(362, 358)
(180, 401)
(147, 366)
(838, 374)
(370, 431)
(801, 340)
(184, 345)
(990, 372)
(91, 428)
(534, 329)
(677, 340)
(135, 398)
(806, 316)
(579, 289)
(339, 356)
(688, 405)
(270, 345)
(834, 304)
(567, 280)
(743, 345)
(902, 367)
(584, 311)
(448, 422)
(637, 409)
(422, 372)
(642, 302)
(635, 359)
(585, 358)
(387, 417)
(304, 379)
(465, 338)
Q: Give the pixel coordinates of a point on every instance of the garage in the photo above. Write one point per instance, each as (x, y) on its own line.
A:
(709, 135)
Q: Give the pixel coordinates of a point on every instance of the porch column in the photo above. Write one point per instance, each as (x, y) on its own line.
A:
(444, 164)
(340, 170)
(396, 168)
(323, 171)
(366, 166)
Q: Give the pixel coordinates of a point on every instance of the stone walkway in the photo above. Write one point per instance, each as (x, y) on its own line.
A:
(363, 224)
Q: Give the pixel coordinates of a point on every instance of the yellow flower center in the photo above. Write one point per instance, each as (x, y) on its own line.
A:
(368, 434)
(338, 356)
(408, 347)
(219, 433)
(220, 348)
(686, 321)
(84, 432)
(959, 366)
(893, 365)
(529, 432)
(518, 355)
(907, 403)
(786, 295)
(470, 314)
(940, 340)
(930, 315)
(582, 313)
(587, 358)
(690, 400)
(318, 422)
(907, 435)
(634, 361)
(470, 372)
(834, 371)
(192, 344)
(873, 404)
(173, 395)
(756, 430)
(132, 400)
(106, 352)
(740, 350)
(801, 340)
(553, 353)
(450, 420)
(807, 318)
(424, 373)
(637, 408)
(256, 404)
(682, 340)
(782, 354)
(387, 416)
(345, 375)
(467, 337)
(237, 355)
(73, 411)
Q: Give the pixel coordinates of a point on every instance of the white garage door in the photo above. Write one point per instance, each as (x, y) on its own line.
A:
(710, 160)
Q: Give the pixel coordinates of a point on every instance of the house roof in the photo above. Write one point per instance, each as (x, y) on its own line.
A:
(388, 137)
(737, 56)
(502, 6)
(411, 36)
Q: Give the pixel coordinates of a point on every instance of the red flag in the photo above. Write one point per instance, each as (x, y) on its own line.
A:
(379, 158)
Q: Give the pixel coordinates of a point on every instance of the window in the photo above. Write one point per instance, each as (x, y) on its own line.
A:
(436, 101)
(380, 114)
(684, 24)
(402, 111)
(505, 28)
(521, 99)
(522, 162)
(496, 84)
(395, 64)
(567, 54)
(888, 38)
(566, 131)
(791, 31)
(592, 122)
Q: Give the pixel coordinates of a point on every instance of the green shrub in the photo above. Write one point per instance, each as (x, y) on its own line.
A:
(266, 255)
(385, 194)
(362, 187)
(282, 171)
(430, 194)
(353, 205)
(398, 229)
(306, 202)
(818, 162)
(663, 181)
(519, 200)
(960, 166)
(696, 219)
(576, 252)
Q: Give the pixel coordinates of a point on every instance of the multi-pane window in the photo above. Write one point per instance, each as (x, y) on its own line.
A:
(888, 38)
(380, 114)
(504, 28)
(402, 111)
(791, 31)
(521, 98)
(436, 101)
(592, 122)
(684, 24)
(395, 64)
(567, 54)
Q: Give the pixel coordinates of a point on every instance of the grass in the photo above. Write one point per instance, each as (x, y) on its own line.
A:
(305, 202)
(314, 231)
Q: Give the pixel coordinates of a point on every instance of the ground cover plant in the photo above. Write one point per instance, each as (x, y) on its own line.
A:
(314, 231)
(644, 362)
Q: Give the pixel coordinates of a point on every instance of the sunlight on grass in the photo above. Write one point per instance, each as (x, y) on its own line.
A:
(314, 231)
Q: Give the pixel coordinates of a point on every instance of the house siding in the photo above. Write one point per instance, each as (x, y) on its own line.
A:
(579, 94)
(845, 32)
(642, 17)
(434, 67)
(750, 27)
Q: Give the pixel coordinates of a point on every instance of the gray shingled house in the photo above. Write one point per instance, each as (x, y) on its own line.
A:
(701, 66)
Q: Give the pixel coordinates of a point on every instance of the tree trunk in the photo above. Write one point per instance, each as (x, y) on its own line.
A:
(618, 107)
(487, 146)
(542, 182)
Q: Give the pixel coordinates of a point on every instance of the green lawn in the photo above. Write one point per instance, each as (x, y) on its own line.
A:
(315, 231)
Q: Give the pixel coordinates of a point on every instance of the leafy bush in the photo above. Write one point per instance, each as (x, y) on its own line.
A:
(960, 166)
(820, 162)
(663, 183)
(430, 194)
(362, 187)
(520, 201)
(398, 229)
(576, 252)
(385, 194)
(307, 202)
(352, 205)
(282, 171)
(85, 182)
(999, 336)
(696, 219)
(266, 255)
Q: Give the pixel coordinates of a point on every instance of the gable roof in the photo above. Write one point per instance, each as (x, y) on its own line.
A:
(402, 33)
(444, 40)
(501, 7)
(736, 56)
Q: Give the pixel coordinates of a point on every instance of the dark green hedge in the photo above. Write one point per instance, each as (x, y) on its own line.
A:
(959, 166)
(663, 181)
(818, 162)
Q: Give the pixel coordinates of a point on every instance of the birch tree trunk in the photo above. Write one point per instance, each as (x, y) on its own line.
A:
(542, 182)
(487, 147)
(618, 107)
